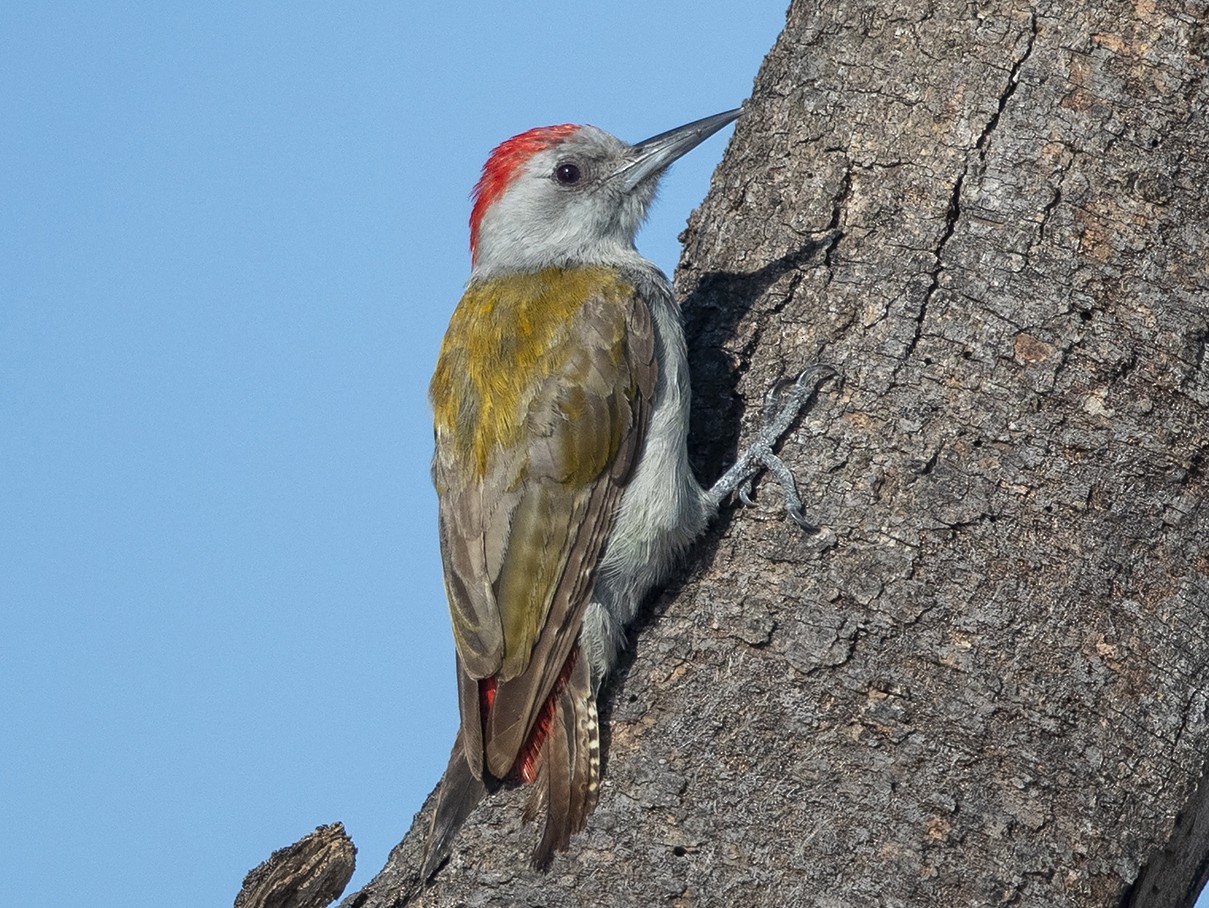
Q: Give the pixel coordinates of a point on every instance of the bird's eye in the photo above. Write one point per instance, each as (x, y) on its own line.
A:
(567, 173)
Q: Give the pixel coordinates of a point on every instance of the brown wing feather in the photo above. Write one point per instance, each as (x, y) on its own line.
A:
(521, 542)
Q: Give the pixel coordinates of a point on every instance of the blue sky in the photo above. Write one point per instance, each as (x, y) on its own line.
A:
(230, 239)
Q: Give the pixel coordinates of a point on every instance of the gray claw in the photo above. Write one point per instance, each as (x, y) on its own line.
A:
(745, 491)
(773, 398)
(796, 515)
(783, 402)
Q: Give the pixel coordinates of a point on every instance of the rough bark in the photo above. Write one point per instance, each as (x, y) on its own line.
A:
(984, 681)
(311, 873)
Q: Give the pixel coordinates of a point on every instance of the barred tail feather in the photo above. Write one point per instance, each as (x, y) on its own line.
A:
(569, 775)
(460, 792)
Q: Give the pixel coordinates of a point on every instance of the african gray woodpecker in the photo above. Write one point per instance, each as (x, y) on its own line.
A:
(561, 403)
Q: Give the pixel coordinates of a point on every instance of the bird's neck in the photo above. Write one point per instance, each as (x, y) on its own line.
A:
(491, 263)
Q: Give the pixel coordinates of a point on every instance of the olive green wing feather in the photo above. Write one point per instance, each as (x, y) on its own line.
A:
(521, 541)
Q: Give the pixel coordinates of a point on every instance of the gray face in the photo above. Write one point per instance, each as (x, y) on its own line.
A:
(566, 206)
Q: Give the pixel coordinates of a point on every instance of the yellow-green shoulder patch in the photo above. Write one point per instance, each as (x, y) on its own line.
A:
(507, 335)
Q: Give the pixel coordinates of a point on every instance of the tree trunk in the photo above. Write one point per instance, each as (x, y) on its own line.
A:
(984, 680)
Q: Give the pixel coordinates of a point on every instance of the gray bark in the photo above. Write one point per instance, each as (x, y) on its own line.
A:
(311, 873)
(984, 681)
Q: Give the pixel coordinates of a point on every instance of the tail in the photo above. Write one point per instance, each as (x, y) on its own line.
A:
(460, 792)
(568, 779)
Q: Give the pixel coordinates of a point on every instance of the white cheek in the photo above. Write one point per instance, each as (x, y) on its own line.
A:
(521, 230)
(536, 225)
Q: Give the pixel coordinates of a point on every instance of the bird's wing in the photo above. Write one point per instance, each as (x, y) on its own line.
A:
(541, 398)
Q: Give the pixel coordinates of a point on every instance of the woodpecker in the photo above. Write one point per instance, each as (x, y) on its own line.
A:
(561, 410)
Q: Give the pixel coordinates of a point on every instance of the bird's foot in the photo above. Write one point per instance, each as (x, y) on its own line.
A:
(782, 404)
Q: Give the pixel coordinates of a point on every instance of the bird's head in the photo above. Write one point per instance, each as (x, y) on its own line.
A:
(569, 195)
